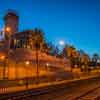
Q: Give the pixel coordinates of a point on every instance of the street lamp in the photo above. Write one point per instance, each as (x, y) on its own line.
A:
(61, 42)
(26, 64)
(7, 33)
(47, 65)
(2, 57)
(47, 70)
(8, 29)
(37, 46)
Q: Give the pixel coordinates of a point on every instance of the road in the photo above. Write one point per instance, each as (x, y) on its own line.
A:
(80, 90)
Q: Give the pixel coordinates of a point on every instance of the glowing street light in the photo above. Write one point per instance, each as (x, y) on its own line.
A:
(27, 62)
(8, 29)
(47, 64)
(2, 57)
(7, 33)
(61, 42)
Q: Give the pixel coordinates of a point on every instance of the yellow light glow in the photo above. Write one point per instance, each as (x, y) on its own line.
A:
(7, 29)
(27, 62)
(2, 57)
(47, 64)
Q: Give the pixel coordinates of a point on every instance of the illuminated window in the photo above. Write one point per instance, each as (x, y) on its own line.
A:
(15, 41)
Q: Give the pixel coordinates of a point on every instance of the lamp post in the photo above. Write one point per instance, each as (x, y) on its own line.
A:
(37, 46)
(47, 65)
(47, 70)
(26, 64)
(61, 43)
(7, 33)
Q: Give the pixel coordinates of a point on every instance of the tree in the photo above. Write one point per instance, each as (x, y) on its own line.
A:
(95, 59)
(68, 51)
(38, 38)
(64, 51)
(48, 47)
(84, 61)
(54, 51)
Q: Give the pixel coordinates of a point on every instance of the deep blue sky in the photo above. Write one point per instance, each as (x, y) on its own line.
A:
(76, 22)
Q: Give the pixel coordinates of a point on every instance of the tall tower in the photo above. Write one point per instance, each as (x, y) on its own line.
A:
(11, 20)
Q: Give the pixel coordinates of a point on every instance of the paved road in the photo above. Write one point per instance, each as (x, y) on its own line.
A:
(80, 90)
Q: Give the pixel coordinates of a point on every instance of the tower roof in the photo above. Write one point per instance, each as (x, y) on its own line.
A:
(10, 13)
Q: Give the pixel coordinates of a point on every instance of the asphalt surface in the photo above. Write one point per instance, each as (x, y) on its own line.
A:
(80, 90)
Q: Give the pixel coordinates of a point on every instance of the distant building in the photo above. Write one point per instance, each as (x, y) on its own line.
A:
(12, 37)
(11, 20)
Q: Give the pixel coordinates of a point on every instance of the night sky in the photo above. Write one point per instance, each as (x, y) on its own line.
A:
(77, 22)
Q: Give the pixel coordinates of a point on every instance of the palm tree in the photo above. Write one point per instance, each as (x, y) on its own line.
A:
(95, 59)
(69, 52)
(84, 61)
(37, 42)
(64, 51)
(45, 48)
(38, 38)
(51, 48)
(76, 57)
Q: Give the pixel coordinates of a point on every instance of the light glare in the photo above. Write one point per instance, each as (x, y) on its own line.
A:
(61, 42)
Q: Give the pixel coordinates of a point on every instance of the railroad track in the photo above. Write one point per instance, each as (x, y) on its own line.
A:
(90, 93)
(93, 94)
(23, 95)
